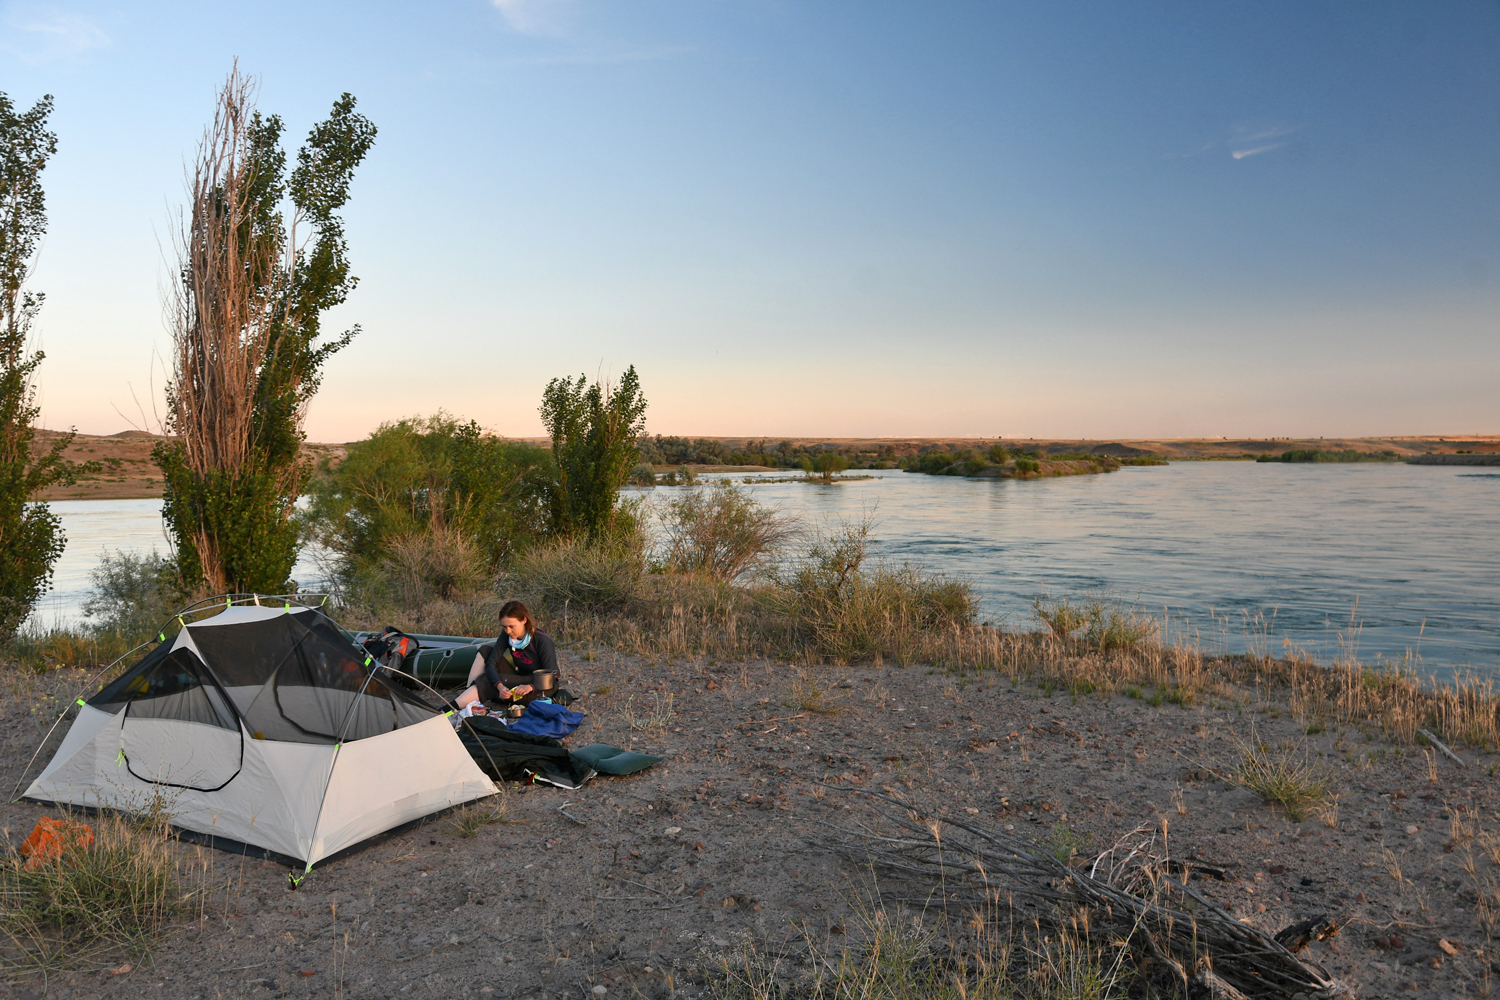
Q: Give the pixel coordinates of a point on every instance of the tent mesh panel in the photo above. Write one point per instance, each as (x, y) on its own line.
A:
(169, 684)
(298, 678)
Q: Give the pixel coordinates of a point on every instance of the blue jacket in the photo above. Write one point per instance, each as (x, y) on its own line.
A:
(544, 718)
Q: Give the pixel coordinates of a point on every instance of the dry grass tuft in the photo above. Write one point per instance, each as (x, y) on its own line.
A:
(1282, 775)
(114, 895)
(1097, 622)
(468, 821)
(895, 953)
(807, 695)
(656, 718)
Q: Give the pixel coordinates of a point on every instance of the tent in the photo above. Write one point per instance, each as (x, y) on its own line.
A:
(264, 729)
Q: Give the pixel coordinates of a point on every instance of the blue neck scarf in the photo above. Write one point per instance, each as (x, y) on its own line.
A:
(520, 643)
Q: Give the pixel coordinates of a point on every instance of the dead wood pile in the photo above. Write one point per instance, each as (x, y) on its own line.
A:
(1133, 895)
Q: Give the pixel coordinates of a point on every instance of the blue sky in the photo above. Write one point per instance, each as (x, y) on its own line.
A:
(824, 218)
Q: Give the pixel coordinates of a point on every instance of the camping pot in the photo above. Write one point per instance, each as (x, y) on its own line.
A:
(544, 681)
(515, 711)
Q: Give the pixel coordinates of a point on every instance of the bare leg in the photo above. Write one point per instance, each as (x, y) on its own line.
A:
(471, 694)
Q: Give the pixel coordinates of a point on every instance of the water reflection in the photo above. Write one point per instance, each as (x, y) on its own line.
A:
(1410, 555)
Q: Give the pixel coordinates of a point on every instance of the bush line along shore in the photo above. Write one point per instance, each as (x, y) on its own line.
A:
(126, 472)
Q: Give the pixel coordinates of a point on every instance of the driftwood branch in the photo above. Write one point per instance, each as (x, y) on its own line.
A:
(1442, 747)
(1133, 892)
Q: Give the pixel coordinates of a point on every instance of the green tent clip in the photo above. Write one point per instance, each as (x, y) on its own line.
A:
(120, 757)
(81, 702)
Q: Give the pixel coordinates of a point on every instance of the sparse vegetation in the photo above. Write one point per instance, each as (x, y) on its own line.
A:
(836, 607)
(474, 817)
(894, 953)
(112, 895)
(656, 717)
(1097, 621)
(721, 533)
(1281, 775)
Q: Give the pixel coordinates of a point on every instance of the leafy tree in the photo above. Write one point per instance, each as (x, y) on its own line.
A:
(31, 536)
(594, 430)
(264, 255)
(417, 476)
(828, 463)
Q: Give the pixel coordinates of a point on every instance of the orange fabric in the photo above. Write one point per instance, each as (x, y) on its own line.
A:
(50, 837)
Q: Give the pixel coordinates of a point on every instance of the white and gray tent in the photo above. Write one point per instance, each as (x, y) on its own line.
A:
(264, 729)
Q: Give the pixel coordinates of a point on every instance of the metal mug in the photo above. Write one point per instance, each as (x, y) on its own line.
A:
(543, 681)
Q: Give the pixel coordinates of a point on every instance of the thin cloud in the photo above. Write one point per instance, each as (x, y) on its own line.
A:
(1254, 138)
(603, 56)
(1240, 154)
(41, 34)
(536, 17)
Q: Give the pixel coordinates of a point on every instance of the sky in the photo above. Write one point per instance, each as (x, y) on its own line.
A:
(821, 218)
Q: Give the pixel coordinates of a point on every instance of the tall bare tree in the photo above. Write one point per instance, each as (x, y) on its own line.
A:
(244, 321)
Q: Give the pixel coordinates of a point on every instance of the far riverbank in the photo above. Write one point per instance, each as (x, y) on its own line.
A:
(127, 473)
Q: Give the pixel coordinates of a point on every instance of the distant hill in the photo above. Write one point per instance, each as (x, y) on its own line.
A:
(129, 473)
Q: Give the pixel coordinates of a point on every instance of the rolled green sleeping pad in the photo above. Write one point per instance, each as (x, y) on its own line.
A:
(612, 760)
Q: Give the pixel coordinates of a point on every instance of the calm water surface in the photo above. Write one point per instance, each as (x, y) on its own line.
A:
(1410, 555)
(95, 527)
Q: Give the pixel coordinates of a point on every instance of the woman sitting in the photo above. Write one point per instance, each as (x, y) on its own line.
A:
(518, 652)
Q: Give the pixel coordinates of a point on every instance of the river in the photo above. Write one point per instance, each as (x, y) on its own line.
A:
(1377, 560)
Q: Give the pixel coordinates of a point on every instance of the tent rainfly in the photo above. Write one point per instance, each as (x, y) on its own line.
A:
(264, 730)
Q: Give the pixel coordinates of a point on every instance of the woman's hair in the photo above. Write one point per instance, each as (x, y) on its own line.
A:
(521, 613)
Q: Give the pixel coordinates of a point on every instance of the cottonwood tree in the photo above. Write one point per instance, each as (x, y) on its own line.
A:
(31, 536)
(594, 430)
(262, 255)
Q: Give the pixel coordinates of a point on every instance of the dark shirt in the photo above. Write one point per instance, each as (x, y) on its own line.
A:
(541, 654)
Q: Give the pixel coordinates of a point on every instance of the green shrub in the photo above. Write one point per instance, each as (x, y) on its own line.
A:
(829, 463)
(132, 594)
(720, 532)
(841, 610)
(432, 476)
(568, 573)
(932, 463)
(1101, 623)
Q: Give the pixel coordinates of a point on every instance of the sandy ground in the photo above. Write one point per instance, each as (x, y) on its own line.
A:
(710, 850)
